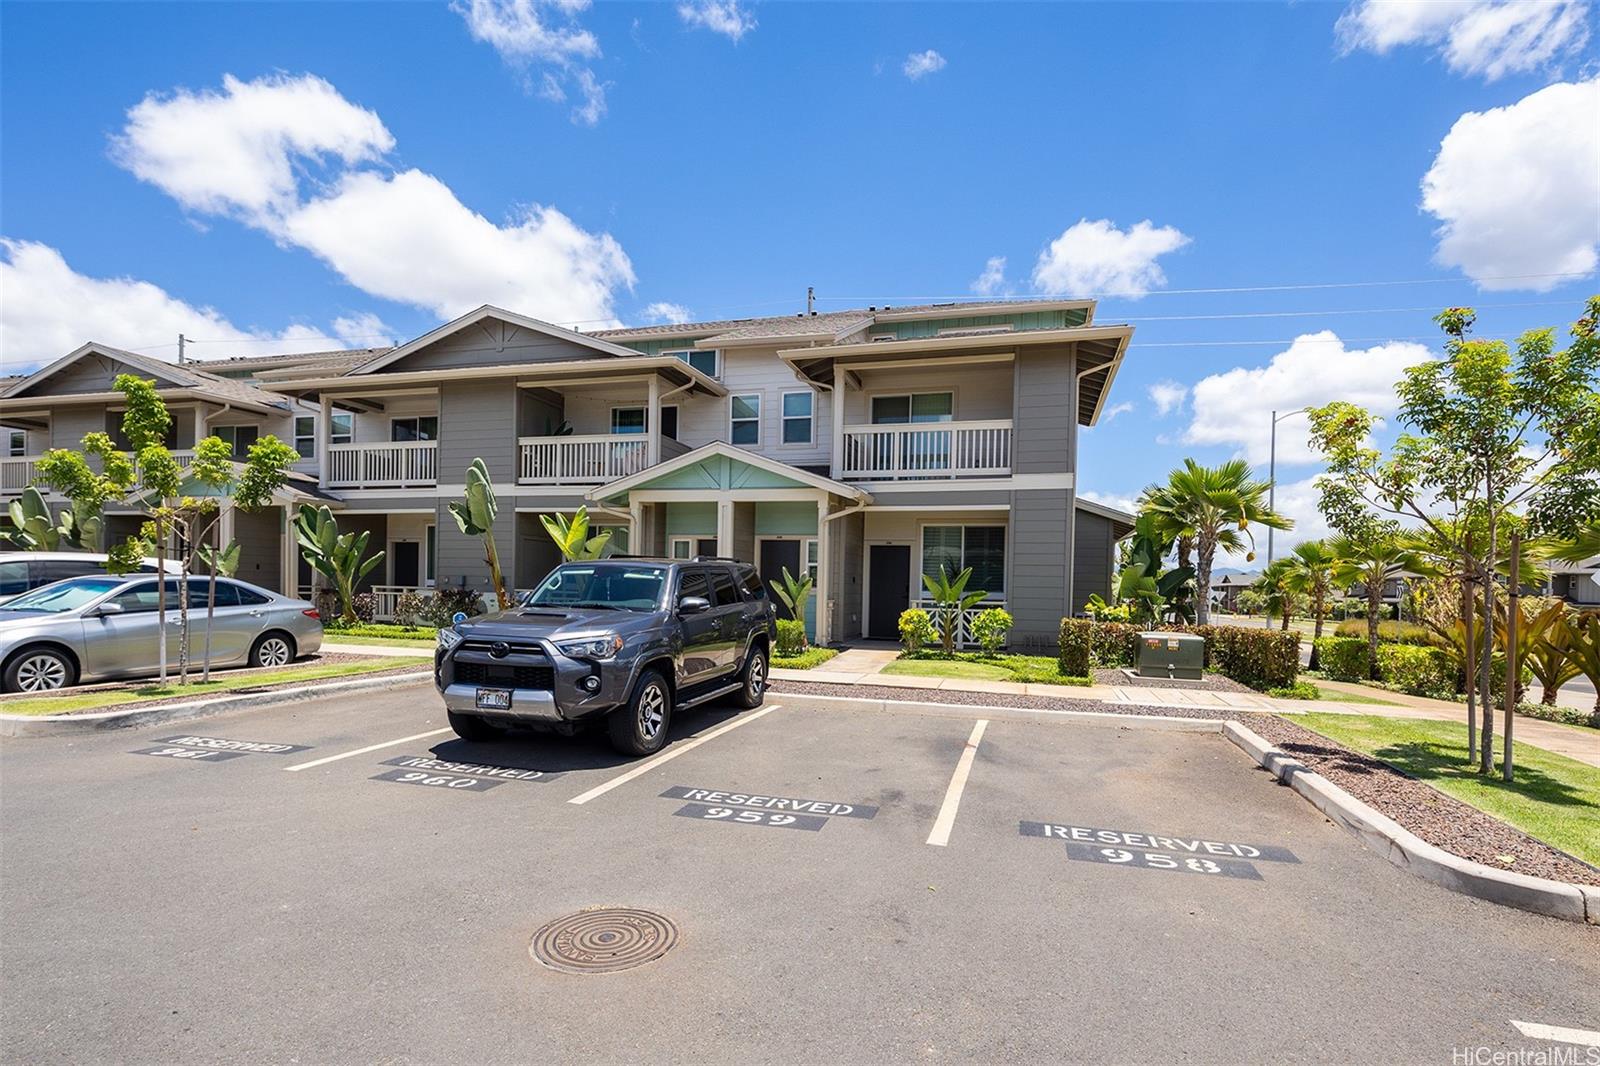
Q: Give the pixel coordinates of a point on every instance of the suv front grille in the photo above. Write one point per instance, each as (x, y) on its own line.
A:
(516, 648)
(505, 675)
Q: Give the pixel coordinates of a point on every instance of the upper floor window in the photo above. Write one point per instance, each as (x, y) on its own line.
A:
(629, 420)
(305, 436)
(239, 438)
(798, 408)
(913, 407)
(422, 427)
(744, 418)
(342, 430)
(16, 442)
(702, 359)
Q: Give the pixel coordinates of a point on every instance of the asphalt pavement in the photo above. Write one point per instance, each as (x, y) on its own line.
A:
(313, 882)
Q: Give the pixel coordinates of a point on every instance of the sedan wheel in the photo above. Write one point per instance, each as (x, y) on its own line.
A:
(41, 671)
(272, 650)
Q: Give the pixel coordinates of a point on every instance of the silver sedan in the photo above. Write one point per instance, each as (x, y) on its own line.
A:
(99, 627)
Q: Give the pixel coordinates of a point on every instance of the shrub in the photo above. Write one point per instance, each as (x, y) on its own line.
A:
(443, 605)
(1344, 658)
(791, 637)
(1419, 671)
(1390, 632)
(990, 628)
(406, 609)
(1300, 690)
(1114, 644)
(1074, 655)
(1259, 658)
(365, 606)
(916, 629)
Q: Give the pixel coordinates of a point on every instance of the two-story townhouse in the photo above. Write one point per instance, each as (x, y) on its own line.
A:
(866, 447)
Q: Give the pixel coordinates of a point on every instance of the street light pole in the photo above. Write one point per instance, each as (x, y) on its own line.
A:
(1272, 470)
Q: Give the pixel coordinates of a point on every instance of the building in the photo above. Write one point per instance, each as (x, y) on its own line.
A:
(1577, 583)
(865, 447)
(1225, 589)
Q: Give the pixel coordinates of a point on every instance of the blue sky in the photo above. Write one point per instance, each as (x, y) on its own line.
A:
(743, 152)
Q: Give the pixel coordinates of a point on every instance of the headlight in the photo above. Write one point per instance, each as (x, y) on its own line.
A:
(602, 647)
(448, 637)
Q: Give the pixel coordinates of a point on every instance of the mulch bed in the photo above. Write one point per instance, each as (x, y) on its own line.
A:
(1207, 682)
(994, 699)
(1437, 818)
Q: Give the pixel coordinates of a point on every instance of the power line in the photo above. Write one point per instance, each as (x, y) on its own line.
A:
(1318, 314)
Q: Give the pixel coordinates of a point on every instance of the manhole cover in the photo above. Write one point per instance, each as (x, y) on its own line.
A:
(603, 940)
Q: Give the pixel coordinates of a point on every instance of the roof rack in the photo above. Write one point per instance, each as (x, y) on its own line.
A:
(714, 559)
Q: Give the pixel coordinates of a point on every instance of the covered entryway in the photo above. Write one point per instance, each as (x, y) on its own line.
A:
(889, 577)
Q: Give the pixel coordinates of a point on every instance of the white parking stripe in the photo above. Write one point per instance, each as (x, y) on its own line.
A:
(369, 747)
(958, 781)
(1584, 1037)
(669, 754)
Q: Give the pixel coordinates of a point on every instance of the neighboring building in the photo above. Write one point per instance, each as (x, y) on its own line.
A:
(1225, 589)
(1577, 583)
(865, 447)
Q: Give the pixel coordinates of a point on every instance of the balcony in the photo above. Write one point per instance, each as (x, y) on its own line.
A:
(927, 451)
(398, 465)
(18, 472)
(585, 460)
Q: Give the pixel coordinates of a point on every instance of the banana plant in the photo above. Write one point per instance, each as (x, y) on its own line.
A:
(794, 592)
(224, 562)
(31, 528)
(951, 600)
(573, 537)
(336, 556)
(475, 517)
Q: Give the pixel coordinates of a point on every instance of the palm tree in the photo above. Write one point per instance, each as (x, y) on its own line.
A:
(1310, 574)
(1584, 546)
(1377, 556)
(1277, 596)
(1212, 507)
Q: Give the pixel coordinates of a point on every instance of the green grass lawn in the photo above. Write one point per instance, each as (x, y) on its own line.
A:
(1035, 669)
(1553, 798)
(221, 681)
(378, 633)
(805, 660)
(1339, 695)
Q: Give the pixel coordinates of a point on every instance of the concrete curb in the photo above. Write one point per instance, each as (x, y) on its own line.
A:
(28, 725)
(1170, 723)
(1576, 903)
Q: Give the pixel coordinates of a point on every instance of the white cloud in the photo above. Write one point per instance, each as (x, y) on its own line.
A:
(993, 278)
(1236, 407)
(1483, 38)
(1114, 410)
(402, 236)
(673, 314)
(1168, 396)
(47, 309)
(1098, 258)
(1129, 504)
(1517, 189)
(719, 16)
(523, 30)
(919, 65)
(593, 108)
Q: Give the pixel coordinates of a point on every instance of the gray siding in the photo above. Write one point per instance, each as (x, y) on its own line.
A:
(1037, 590)
(744, 532)
(537, 554)
(1045, 431)
(260, 536)
(478, 419)
(846, 563)
(69, 425)
(90, 373)
(461, 558)
(490, 343)
(1091, 559)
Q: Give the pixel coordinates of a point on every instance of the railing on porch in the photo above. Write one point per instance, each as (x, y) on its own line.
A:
(385, 598)
(398, 465)
(588, 460)
(18, 471)
(964, 622)
(927, 450)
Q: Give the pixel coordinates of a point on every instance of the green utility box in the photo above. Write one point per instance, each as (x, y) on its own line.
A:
(1175, 655)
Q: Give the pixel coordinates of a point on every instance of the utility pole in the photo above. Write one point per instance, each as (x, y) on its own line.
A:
(811, 300)
(1513, 666)
(181, 342)
(1272, 470)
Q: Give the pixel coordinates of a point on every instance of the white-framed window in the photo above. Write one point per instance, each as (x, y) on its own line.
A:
(799, 413)
(342, 428)
(681, 547)
(808, 551)
(413, 428)
(16, 442)
(744, 418)
(305, 436)
(903, 408)
(705, 360)
(629, 420)
(956, 547)
(239, 438)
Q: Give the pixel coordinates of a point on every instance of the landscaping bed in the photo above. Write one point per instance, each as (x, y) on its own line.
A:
(1209, 682)
(378, 633)
(806, 660)
(1556, 797)
(1022, 669)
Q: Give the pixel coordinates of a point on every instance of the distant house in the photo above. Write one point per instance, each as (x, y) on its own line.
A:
(1577, 583)
(1225, 589)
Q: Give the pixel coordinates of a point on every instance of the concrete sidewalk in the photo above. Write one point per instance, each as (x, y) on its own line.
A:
(414, 648)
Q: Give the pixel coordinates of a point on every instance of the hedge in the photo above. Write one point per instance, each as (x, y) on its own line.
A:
(1344, 658)
(1389, 631)
(1419, 671)
(1259, 658)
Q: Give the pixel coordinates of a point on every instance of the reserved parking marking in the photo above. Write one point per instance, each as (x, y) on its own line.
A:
(370, 747)
(243, 747)
(670, 754)
(1155, 860)
(773, 819)
(449, 781)
(753, 808)
(946, 820)
(1560, 1034)
(471, 769)
(1121, 838)
(190, 754)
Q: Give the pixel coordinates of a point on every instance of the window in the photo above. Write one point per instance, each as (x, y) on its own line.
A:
(305, 436)
(249, 597)
(754, 587)
(797, 412)
(916, 407)
(810, 548)
(693, 583)
(142, 598)
(227, 594)
(669, 421)
(239, 438)
(342, 430)
(13, 577)
(682, 548)
(118, 438)
(744, 419)
(702, 359)
(954, 548)
(628, 420)
(48, 570)
(727, 591)
(422, 427)
(16, 442)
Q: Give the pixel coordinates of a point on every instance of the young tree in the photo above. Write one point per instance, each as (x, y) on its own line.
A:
(475, 517)
(794, 592)
(220, 562)
(1487, 431)
(1378, 553)
(1310, 574)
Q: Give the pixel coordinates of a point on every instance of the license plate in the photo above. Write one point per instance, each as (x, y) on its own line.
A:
(494, 699)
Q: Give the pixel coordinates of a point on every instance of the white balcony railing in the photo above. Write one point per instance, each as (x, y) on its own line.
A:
(398, 465)
(17, 472)
(589, 460)
(386, 597)
(927, 450)
(964, 622)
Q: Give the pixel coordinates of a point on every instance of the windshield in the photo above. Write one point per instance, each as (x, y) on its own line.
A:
(619, 586)
(66, 595)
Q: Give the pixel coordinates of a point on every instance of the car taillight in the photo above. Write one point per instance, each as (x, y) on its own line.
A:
(312, 613)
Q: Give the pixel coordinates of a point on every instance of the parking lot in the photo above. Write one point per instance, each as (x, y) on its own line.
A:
(342, 879)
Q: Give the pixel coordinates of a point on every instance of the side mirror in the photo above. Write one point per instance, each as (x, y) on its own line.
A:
(693, 604)
(108, 609)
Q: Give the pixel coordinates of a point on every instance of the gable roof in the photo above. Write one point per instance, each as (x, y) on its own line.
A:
(472, 318)
(181, 375)
(739, 455)
(830, 322)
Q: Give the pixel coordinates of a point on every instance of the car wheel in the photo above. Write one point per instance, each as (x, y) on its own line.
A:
(473, 727)
(272, 649)
(40, 670)
(754, 678)
(640, 728)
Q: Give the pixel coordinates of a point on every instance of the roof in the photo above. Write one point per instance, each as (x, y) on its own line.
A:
(716, 448)
(820, 322)
(392, 355)
(183, 375)
(1121, 521)
(351, 356)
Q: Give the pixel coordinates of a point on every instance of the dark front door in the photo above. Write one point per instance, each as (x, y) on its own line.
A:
(888, 596)
(775, 555)
(407, 563)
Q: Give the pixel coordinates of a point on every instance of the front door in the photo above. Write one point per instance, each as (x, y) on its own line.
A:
(887, 594)
(407, 563)
(775, 556)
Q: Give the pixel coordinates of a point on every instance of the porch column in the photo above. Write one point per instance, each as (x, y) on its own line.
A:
(652, 421)
(635, 527)
(324, 438)
(824, 576)
(725, 527)
(836, 458)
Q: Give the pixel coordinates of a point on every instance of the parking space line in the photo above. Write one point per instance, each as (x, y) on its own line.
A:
(1581, 1037)
(958, 781)
(369, 747)
(670, 754)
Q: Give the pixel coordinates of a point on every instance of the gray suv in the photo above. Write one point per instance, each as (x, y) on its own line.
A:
(624, 640)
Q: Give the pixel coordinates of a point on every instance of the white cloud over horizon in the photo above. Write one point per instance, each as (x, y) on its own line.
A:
(992, 281)
(919, 65)
(1516, 189)
(669, 313)
(1168, 396)
(726, 17)
(544, 33)
(1097, 258)
(403, 236)
(1483, 38)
